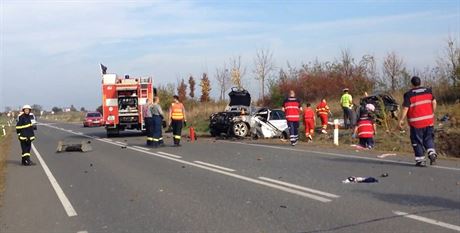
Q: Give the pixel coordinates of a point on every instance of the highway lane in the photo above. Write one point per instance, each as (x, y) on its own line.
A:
(230, 187)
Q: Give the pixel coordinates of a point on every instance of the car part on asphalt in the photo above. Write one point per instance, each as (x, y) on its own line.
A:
(84, 146)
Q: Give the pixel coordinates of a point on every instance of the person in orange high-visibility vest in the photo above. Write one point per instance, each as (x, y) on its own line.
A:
(177, 119)
(309, 122)
(419, 106)
(323, 112)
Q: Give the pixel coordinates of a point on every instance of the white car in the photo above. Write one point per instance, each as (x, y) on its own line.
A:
(269, 123)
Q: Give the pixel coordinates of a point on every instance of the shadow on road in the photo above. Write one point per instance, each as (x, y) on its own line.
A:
(414, 200)
(343, 227)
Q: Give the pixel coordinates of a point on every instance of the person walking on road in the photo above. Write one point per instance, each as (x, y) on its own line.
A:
(323, 112)
(419, 106)
(148, 121)
(157, 116)
(346, 101)
(25, 131)
(309, 122)
(292, 109)
(177, 119)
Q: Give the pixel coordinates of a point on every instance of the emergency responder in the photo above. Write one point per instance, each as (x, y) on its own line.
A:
(25, 131)
(148, 121)
(366, 128)
(309, 122)
(419, 106)
(323, 112)
(292, 109)
(157, 116)
(346, 101)
(177, 119)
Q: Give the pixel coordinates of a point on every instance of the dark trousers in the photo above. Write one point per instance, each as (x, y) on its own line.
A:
(149, 130)
(293, 131)
(157, 134)
(177, 130)
(26, 145)
(422, 140)
(367, 142)
(347, 117)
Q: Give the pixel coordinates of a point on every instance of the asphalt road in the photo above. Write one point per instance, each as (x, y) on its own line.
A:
(220, 186)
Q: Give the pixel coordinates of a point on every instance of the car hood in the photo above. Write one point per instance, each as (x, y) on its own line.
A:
(239, 96)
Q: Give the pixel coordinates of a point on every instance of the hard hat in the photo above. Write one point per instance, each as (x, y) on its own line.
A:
(345, 89)
(370, 107)
(26, 107)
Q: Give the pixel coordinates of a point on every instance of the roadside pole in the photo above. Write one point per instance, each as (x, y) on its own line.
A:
(336, 132)
(3, 130)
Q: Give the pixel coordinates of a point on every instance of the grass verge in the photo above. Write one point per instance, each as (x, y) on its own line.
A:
(5, 145)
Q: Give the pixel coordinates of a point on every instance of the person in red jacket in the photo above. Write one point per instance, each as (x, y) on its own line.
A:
(323, 112)
(292, 109)
(419, 106)
(366, 128)
(309, 122)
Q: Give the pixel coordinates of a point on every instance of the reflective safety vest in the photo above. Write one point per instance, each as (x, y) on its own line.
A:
(420, 114)
(292, 109)
(346, 100)
(322, 108)
(177, 111)
(308, 114)
(365, 128)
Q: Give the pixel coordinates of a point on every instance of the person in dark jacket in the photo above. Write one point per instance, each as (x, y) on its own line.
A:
(25, 131)
(157, 115)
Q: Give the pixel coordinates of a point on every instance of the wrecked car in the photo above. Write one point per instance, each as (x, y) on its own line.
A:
(384, 104)
(240, 121)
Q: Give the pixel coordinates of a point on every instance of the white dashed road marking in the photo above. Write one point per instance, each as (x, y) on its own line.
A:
(428, 220)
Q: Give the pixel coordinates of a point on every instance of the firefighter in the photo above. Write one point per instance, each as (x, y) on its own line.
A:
(292, 109)
(157, 116)
(25, 131)
(366, 128)
(346, 101)
(309, 122)
(148, 121)
(177, 119)
(323, 112)
(419, 106)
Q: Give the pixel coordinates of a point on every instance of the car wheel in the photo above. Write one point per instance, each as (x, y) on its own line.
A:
(240, 129)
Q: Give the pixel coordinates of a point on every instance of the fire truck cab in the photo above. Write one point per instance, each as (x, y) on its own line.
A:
(123, 102)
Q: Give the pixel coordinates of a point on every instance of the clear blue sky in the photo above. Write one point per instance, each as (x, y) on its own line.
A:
(51, 50)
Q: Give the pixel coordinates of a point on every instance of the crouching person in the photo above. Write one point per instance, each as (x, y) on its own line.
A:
(366, 128)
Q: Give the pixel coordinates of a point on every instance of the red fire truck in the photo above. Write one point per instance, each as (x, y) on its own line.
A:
(123, 101)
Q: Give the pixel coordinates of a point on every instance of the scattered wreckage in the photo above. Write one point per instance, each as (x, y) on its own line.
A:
(240, 119)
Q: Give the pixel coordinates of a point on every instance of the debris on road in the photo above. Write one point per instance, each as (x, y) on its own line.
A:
(123, 147)
(283, 206)
(384, 175)
(84, 146)
(385, 155)
(357, 179)
(358, 147)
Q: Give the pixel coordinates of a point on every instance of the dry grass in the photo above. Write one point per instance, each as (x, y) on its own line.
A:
(5, 143)
(74, 117)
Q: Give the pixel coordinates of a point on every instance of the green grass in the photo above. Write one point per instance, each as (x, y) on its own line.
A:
(5, 143)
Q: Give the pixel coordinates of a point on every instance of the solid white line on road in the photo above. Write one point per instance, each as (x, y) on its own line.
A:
(82, 232)
(300, 187)
(140, 147)
(214, 166)
(428, 220)
(61, 195)
(285, 189)
(274, 186)
(339, 155)
(170, 155)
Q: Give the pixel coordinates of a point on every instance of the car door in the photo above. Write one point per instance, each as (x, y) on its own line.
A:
(278, 119)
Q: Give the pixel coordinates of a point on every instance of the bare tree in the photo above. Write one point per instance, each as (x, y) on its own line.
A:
(237, 71)
(264, 65)
(191, 83)
(347, 61)
(223, 79)
(450, 64)
(393, 67)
